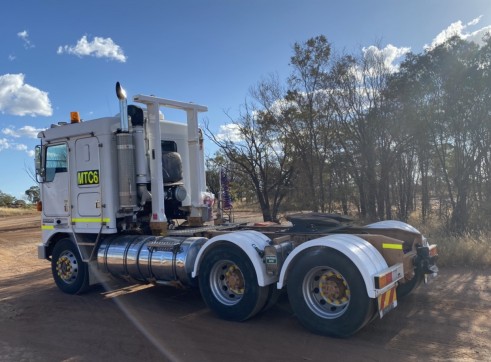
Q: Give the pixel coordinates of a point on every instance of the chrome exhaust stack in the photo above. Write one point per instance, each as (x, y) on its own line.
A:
(123, 107)
(126, 157)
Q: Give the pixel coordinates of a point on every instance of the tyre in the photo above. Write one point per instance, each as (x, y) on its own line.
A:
(228, 284)
(70, 273)
(328, 294)
(274, 295)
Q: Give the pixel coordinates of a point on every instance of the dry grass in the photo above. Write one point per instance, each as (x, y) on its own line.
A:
(466, 250)
(7, 211)
(470, 249)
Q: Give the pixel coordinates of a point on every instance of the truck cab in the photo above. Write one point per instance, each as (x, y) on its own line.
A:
(96, 176)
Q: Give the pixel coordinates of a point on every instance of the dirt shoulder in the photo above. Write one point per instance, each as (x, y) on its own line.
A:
(447, 320)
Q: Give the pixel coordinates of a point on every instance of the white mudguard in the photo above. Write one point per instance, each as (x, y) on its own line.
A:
(395, 224)
(392, 224)
(364, 255)
(250, 242)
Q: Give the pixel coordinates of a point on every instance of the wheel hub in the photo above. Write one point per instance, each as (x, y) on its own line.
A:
(234, 280)
(67, 267)
(326, 292)
(227, 282)
(333, 288)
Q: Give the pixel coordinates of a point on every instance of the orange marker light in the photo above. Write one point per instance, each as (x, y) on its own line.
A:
(74, 117)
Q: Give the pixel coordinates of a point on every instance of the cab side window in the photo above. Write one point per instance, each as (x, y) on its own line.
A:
(56, 161)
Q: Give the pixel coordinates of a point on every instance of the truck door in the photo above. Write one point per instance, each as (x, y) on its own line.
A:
(56, 185)
(87, 213)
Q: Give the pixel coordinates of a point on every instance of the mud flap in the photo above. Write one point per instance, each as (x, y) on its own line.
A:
(387, 301)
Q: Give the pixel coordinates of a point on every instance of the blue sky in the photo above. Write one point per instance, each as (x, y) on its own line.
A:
(58, 56)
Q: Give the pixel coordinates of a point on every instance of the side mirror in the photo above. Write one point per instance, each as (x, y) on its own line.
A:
(38, 162)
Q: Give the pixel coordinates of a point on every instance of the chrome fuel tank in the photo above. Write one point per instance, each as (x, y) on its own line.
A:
(147, 258)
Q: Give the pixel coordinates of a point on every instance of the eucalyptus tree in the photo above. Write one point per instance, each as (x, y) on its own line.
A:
(445, 94)
(301, 114)
(482, 178)
(368, 135)
(261, 157)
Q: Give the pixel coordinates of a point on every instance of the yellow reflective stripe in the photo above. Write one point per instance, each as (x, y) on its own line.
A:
(91, 219)
(392, 246)
(47, 227)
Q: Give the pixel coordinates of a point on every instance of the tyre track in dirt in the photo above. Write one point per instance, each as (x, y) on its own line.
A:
(27, 223)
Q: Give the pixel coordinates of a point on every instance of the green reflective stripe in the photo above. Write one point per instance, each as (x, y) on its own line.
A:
(91, 219)
(392, 246)
(47, 227)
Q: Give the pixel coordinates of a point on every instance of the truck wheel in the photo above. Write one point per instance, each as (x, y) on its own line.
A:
(69, 271)
(328, 294)
(228, 284)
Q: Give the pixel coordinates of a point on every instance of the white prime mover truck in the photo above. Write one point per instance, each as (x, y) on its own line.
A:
(112, 189)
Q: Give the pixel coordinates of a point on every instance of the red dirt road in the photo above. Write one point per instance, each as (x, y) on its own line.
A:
(448, 320)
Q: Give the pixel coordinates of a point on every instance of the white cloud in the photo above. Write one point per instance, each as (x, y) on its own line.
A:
(24, 35)
(23, 148)
(20, 99)
(389, 55)
(20, 147)
(478, 35)
(10, 132)
(282, 104)
(99, 48)
(26, 131)
(12, 57)
(4, 144)
(474, 21)
(461, 30)
(229, 132)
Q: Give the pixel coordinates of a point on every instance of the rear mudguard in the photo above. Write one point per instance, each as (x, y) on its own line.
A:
(363, 255)
(251, 242)
(392, 224)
